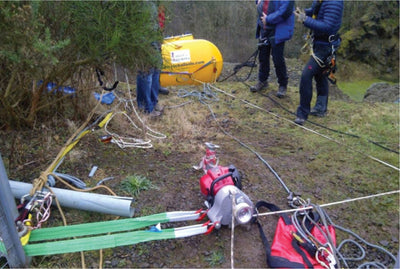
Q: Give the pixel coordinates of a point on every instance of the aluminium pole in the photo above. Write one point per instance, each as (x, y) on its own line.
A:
(8, 232)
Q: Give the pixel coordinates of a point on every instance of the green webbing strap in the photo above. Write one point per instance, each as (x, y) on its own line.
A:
(2, 247)
(96, 228)
(96, 243)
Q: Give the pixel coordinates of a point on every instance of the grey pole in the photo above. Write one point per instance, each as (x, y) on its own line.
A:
(8, 232)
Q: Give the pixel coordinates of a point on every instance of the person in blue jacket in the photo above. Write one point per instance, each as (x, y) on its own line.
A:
(324, 19)
(275, 25)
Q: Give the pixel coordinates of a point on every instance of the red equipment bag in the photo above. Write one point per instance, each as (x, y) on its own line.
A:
(289, 249)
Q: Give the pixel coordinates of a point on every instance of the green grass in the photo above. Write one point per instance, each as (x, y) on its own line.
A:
(135, 184)
(357, 89)
(216, 258)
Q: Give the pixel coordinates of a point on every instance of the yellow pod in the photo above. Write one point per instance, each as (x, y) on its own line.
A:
(178, 37)
(189, 62)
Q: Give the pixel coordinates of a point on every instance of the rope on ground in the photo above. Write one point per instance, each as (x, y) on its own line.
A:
(125, 141)
(327, 128)
(308, 129)
(325, 219)
(233, 230)
(329, 204)
(336, 252)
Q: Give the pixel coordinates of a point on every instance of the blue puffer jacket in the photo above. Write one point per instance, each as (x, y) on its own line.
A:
(328, 21)
(280, 16)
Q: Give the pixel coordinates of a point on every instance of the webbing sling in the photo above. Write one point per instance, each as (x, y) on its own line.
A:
(97, 237)
(95, 243)
(96, 228)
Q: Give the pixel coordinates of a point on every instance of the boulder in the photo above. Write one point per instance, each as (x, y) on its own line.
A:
(382, 92)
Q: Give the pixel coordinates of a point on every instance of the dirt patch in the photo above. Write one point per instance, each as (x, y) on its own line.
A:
(168, 164)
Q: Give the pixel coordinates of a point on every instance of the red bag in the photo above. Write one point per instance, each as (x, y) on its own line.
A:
(291, 250)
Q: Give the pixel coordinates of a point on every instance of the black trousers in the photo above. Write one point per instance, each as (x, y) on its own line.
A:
(313, 70)
(276, 50)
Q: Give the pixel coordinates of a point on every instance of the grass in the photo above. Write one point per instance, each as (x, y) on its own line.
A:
(318, 168)
(216, 258)
(357, 89)
(135, 184)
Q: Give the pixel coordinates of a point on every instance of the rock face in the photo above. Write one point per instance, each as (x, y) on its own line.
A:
(382, 92)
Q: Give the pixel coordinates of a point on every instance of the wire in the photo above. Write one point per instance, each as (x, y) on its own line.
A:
(310, 130)
(327, 128)
(253, 63)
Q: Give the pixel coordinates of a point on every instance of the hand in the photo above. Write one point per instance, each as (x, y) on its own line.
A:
(264, 19)
(301, 16)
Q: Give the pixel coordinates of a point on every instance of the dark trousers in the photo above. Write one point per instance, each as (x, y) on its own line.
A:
(147, 87)
(313, 70)
(276, 50)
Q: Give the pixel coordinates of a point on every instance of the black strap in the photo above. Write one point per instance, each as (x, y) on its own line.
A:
(316, 9)
(274, 208)
(302, 253)
(276, 262)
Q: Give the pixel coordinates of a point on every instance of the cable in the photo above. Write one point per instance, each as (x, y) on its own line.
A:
(252, 64)
(310, 130)
(327, 128)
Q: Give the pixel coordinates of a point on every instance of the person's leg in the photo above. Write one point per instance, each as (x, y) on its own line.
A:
(264, 67)
(280, 68)
(309, 71)
(155, 90)
(322, 84)
(143, 91)
(321, 105)
(263, 57)
(155, 86)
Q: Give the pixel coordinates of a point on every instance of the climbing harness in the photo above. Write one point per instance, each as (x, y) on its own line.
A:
(328, 65)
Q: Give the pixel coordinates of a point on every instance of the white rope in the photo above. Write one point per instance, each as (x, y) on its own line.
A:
(124, 142)
(150, 132)
(328, 204)
(129, 142)
(310, 130)
(232, 230)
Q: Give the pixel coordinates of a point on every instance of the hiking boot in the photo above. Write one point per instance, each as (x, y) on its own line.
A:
(159, 108)
(259, 86)
(163, 90)
(317, 113)
(155, 114)
(299, 121)
(320, 107)
(281, 92)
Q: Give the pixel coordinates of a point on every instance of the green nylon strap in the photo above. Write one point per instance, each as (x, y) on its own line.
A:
(96, 243)
(2, 247)
(96, 228)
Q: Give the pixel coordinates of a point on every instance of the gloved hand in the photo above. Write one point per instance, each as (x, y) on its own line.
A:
(301, 16)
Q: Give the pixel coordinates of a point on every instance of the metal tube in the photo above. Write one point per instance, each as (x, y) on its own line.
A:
(114, 205)
(8, 212)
